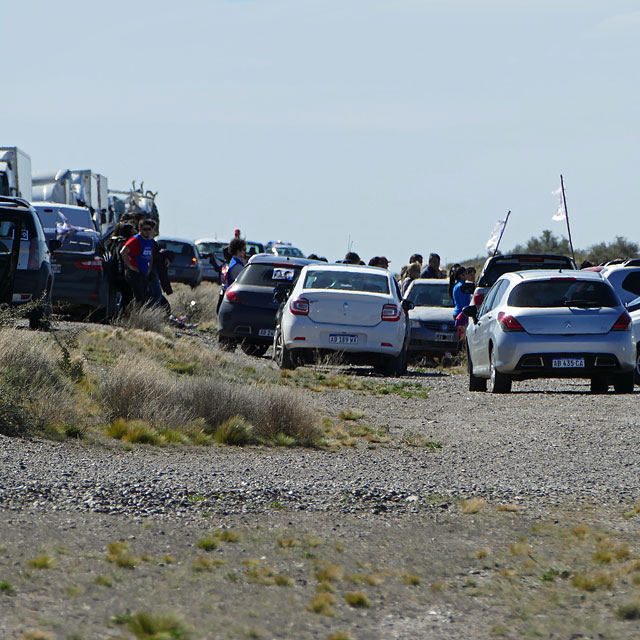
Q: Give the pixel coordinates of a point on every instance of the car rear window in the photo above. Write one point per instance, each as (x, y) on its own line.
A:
(347, 281)
(7, 232)
(269, 275)
(508, 265)
(430, 295)
(74, 243)
(632, 283)
(179, 248)
(562, 292)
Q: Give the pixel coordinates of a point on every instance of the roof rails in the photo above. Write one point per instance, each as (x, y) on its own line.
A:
(8, 201)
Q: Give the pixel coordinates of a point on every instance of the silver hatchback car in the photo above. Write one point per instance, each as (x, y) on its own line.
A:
(550, 324)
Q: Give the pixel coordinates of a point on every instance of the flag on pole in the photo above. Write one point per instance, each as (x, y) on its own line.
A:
(496, 234)
(561, 213)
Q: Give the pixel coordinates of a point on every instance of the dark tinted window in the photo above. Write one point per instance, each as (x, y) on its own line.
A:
(179, 248)
(632, 283)
(269, 275)
(498, 268)
(74, 242)
(347, 281)
(562, 292)
(430, 295)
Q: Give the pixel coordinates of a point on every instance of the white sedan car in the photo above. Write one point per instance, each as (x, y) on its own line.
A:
(550, 324)
(354, 311)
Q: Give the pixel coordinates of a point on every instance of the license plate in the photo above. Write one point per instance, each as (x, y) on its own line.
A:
(56, 268)
(568, 363)
(267, 333)
(343, 339)
(445, 337)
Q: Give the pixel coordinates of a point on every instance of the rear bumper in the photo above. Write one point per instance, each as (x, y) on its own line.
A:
(251, 324)
(186, 275)
(540, 365)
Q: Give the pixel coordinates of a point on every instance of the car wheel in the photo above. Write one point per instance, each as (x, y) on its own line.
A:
(226, 344)
(281, 354)
(636, 373)
(257, 350)
(395, 366)
(500, 383)
(599, 385)
(475, 383)
(623, 382)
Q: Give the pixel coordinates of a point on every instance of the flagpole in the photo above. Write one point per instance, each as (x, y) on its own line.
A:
(504, 226)
(566, 215)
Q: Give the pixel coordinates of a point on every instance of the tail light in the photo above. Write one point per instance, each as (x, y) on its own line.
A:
(391, 313)
(477, 299)
(89, 265)
(232, 296)
(299, 307)
(623, 323)
(509, 323)
(194, 261)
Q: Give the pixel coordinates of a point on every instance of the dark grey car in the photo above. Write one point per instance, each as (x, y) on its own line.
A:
(186, 266)
(248, 311)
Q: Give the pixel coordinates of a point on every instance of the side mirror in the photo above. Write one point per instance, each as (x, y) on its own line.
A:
(54, 245)
(468, 288)
(471, 311)
(407, 305)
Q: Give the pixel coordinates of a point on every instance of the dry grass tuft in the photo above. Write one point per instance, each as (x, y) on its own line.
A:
(357, 599)
(145, 318)
(37, 634)
(473, 505)
(321, 603)
(329, 573)
(581, 531)
(43, 561)
(509, 508)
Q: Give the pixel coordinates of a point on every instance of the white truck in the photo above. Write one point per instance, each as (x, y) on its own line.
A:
(15, 173)
(81, 187)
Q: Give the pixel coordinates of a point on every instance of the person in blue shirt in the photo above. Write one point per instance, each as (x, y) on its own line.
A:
(137, 256)
(460, 300)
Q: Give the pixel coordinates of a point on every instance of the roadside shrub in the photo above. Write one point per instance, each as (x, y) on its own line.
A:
(234, 431)
(28, 359)
(143, 317)
(15, 419)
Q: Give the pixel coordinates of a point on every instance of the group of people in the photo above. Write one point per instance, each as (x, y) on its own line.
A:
(139, 267)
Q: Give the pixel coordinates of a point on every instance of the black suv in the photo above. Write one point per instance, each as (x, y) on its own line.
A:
(25, 259)
(248, 311)
(495, 266)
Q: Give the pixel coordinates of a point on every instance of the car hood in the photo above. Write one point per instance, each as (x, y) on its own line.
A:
(432, 314)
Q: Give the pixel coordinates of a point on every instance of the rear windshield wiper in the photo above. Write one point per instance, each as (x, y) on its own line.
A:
(591, 304)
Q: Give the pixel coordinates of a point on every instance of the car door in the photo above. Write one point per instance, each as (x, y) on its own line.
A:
(485, 325)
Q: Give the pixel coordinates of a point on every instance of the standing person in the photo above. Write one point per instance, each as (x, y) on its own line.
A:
(413, 272)
(460, 299)
(237, 251)
(137, 256)
(416, 257)
(432, 270)
(121, 233)
(471, 274)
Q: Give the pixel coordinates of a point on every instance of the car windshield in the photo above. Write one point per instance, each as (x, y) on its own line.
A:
(269, 275)
(49, 218)
(500, 267)
(347, 281)
(211, 247)
(430, 295)
(179, 248)
(562, 292)
(75, 217)
(253, 248)
(289, 251)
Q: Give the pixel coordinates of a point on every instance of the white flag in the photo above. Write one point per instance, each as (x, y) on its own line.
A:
(560, 214)
(494, 238)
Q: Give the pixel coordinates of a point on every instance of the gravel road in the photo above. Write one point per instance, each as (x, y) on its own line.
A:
(547, 445)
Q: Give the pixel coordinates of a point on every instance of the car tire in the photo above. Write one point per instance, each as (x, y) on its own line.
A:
(624, 382)
(256, 350)
(500, 383)
(395, 366)
(598, 385)
(281, 355)
(475, 383)
(226, 344)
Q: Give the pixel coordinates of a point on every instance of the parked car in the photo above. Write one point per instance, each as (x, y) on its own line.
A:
(207, 248)
(248, 311)
(25, 259)
(53, 213)
(550, 324)
(625, 279)
(495, 266)
(82, 286)
(186, 266)
(633, 308)
(433, 333)
(355, 312)
(283, 249)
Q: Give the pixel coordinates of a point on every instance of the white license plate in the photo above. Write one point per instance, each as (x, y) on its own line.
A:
(568, 363)
(445, 337)
(267, 333)
(343, 339)
(56, 268)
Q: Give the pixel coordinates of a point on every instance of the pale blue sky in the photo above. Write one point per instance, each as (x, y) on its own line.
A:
(406, 125)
